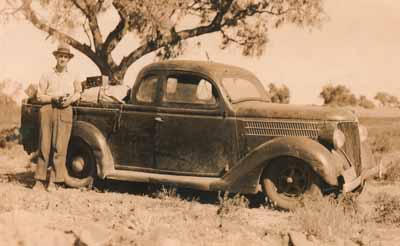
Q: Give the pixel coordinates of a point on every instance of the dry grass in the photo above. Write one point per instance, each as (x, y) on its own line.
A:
(392, 172)
(124, 216)
(329, 218)
(384, 139)
(381, 142)
(384, 134)
(387, 209)
(229, 205)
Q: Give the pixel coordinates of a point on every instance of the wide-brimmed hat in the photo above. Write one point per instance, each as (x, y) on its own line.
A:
(63, 49)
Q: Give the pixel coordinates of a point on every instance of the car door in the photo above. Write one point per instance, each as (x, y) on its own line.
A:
(193, 136)
(136, 133)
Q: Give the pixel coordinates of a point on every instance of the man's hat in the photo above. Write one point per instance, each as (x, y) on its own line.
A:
(63, 49)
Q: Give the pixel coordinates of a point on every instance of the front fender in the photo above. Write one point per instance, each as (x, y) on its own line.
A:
(246, 174)
(97, 142)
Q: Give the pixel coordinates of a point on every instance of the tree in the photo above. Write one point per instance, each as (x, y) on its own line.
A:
(279, 94)
(364, 102)
(161, 26)
(338, 95)
(387, 99)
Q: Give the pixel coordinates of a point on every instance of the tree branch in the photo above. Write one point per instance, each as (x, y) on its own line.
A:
(85, 29)
(175, 37)
(230, 39)
(41, 25)
(116, 35)
(90, 14)
(99, 5)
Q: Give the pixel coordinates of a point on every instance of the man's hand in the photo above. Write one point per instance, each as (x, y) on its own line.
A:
(65, 101)
(55, 101)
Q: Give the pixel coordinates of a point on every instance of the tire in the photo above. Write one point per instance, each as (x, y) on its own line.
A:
(81, 164)
(287, 180)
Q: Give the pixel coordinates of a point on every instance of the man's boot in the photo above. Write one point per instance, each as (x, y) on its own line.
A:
(51, 187)
(39, 185)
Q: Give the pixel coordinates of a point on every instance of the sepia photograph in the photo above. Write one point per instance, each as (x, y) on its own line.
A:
(199, 122)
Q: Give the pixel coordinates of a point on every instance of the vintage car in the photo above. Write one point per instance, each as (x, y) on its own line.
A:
(211, 126)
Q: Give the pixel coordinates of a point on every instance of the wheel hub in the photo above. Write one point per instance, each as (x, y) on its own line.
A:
(293, 181)
(78, 163)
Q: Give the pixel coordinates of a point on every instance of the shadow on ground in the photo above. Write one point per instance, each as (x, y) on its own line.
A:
(24, 178)
(143, 189)
(154, 190)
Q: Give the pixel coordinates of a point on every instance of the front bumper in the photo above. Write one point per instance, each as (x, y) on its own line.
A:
(352, 182)
(369, 168)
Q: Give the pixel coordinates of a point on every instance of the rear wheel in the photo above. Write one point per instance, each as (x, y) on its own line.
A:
(287, 180)
(81, 164)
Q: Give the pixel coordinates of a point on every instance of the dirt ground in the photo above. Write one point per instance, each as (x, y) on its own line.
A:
(120, 213)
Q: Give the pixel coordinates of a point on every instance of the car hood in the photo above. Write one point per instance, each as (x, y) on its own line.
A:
(258, 109)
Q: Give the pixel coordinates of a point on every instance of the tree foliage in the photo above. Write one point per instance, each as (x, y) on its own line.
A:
(364, 102)
(161, 25)
(279, 94)
(338, 95)
(387, 99)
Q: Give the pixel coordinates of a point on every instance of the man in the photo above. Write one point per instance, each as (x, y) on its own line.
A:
(57, 90)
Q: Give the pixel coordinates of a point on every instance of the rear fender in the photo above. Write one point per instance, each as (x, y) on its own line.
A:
(245, 176)
(97, 142)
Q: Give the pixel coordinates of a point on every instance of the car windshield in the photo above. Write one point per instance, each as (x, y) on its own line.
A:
(243, 89)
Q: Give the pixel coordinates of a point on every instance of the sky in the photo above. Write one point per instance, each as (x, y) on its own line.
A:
(358, 46)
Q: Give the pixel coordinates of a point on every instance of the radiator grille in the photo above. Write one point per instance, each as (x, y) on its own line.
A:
(352, 145)
(276, 128)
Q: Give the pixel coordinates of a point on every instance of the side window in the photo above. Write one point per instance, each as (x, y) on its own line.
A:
(147, 91)
(189, 89)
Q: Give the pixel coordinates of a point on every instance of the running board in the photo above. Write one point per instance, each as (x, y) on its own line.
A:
(194, 182)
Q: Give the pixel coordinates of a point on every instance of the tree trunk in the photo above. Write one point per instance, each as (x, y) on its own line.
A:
(115, 76)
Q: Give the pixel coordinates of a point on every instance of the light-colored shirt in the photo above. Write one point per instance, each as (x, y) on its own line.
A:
(56, 84)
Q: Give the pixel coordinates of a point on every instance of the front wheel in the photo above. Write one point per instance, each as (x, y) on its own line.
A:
(287, 180)
(81, 164)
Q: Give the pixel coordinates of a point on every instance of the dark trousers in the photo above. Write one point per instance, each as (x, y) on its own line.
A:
(55, 132)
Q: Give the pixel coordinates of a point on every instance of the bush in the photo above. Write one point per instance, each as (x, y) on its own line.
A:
(387, 99)
(364, 102)
(338, 95)
(279, 94)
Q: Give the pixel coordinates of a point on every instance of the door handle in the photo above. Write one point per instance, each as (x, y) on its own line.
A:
(159, 119)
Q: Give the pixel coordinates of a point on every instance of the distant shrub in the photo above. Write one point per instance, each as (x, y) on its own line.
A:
(364, 102)
(338, 95)
(387, 99)
(279, 94)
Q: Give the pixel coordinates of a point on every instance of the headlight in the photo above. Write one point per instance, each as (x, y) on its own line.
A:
(338, 139)
(363, 133)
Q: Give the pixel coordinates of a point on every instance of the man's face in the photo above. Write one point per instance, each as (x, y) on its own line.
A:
(62, 60)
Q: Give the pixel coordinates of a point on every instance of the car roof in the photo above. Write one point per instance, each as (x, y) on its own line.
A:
(208, 68)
